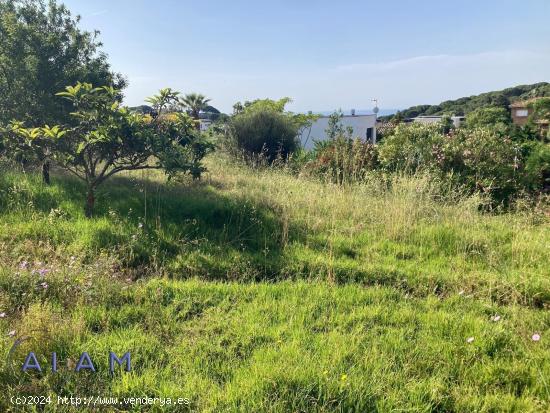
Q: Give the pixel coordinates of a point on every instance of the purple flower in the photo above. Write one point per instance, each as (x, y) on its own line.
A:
(24, 265)
(42, 272)
(535, 337)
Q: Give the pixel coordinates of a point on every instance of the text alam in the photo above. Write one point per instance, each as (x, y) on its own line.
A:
(84, 362)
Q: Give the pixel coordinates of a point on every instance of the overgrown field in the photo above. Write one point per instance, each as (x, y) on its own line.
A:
(256, 290)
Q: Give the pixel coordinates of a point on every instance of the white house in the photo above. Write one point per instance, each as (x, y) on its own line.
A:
(457, 120)
(205, 124)
(364, 127)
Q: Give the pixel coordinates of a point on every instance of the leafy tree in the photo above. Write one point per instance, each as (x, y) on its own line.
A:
(164, 99)
(107, 139)
(498, 117)
(42, 49)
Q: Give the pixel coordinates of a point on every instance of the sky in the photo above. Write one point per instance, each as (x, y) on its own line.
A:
(325, 55)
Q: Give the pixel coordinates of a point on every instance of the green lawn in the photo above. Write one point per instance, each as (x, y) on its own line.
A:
(263, 291)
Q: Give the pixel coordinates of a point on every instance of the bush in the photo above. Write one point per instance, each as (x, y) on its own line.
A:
(341, 158)
(483, 161)
(265, 132)
(492, 116)
(479, 160)
(537, 168)
(411, 147)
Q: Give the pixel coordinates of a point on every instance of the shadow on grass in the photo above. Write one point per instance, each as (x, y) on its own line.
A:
(183, 230)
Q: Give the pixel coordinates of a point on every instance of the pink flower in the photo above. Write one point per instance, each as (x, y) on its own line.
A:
(535, 337)
(42, 272)
(470, 340)
(11, 333)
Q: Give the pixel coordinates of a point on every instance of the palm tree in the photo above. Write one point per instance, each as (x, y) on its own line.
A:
(195, 102)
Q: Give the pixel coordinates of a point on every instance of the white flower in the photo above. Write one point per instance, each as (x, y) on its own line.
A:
(470, 340)
(535, 337)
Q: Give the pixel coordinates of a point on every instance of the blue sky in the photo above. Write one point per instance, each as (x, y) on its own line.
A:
(323, 54)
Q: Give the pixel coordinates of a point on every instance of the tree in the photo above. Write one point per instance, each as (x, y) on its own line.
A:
(42, 49)
(493, 116)
(164, 99)
(195, 103)
(107, 139)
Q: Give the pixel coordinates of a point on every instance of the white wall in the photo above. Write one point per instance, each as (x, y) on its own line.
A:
(359, 123)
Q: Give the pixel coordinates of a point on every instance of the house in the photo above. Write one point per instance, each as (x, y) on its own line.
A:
(205, 124)
(521, 114)
(521, 110)
(364, 127)
(457, 120)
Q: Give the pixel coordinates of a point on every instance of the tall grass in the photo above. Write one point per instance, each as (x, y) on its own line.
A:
(257, 290)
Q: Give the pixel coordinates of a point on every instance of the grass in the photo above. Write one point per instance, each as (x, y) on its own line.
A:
(256, 290)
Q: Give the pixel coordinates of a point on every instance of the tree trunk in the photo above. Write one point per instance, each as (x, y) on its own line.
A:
(90, 201)
(46, 172)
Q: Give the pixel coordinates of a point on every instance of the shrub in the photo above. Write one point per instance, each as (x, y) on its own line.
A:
(537, 168)
(492, 116)
(264, 132)
(342, 158)
(483, 161)
(411, 147)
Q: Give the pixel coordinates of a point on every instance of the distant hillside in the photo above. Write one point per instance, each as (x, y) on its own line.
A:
(464, 105)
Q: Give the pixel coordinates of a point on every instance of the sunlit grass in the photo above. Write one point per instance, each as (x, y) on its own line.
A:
(256, 290)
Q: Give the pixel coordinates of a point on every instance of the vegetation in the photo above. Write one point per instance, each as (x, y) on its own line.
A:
(407, 276)
(389, 297)
(463, 106)
(263, 128)
(108, 140)
(195, 103)
(42, 50)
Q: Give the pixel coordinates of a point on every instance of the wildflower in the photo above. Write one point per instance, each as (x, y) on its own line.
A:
(535, 337)
(140, 225)
(11, 333)
(2, 315)
(470, 340)
(44, 285)
(42, 272)
(24, 265)
(344, 377)
(495, 318)
(461, 292)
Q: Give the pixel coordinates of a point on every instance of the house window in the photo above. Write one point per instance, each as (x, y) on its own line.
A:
(522, 113)
(369, 134)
